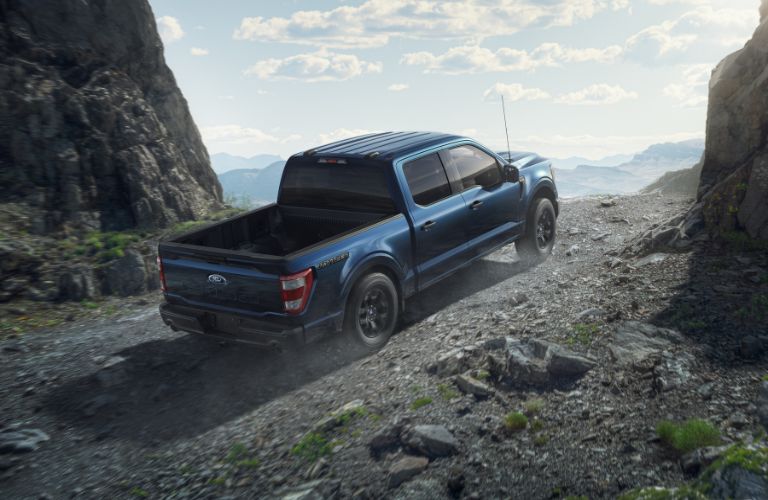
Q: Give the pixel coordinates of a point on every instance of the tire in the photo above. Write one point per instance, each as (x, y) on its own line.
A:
(540, 232)
(372, 312)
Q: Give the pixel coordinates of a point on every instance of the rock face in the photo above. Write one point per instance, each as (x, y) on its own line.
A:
(94, 132)
(734, 176)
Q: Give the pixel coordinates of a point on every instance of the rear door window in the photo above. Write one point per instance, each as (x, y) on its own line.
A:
(474, 167)
(427, 180)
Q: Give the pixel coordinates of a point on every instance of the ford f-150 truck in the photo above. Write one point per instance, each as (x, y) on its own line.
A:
(359, 226)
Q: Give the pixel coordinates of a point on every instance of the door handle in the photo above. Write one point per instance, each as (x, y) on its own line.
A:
(475, 204)
(428, 225)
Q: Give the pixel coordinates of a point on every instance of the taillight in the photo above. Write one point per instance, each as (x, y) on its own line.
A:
(295, 290)
(163, 285)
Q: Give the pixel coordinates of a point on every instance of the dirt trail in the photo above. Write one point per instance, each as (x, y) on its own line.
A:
(133, 409)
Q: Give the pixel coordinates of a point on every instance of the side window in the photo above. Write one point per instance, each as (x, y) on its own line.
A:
(475, 168)
(427, 179)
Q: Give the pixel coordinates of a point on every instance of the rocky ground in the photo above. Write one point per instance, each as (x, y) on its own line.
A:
(592, 348)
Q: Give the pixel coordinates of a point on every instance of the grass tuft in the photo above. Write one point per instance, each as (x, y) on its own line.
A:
(421, 402)
(312, 447)
(688, 436)
(515, 421)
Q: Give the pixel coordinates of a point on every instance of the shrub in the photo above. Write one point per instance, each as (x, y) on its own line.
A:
(312, 447)
(516, 421)
(688, 436)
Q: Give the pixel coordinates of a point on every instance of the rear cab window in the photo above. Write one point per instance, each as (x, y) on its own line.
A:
(427, 180)
(473, 167)
(340, 184)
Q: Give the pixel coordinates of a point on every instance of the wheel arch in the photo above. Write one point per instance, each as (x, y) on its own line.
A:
(382, 263)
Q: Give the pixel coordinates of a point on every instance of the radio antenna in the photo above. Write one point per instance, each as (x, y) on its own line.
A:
(506, 130)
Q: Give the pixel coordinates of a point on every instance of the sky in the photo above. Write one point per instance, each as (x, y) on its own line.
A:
(588, 78)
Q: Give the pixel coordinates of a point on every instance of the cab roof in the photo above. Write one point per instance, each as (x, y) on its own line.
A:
(383, 145)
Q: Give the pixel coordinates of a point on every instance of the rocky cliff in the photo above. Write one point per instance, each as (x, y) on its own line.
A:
(734, 177)
(94, 132)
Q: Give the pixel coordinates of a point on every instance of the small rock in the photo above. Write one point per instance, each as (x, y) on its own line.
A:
(406, 468)
(608, 203)
(738, 421)
(593, 312)
(706, 390)
(470, 385)
(573, 250)
(653, 258)
(601, 236)
(319, 489)
(431, 440)
(698, 460)
(21, 440)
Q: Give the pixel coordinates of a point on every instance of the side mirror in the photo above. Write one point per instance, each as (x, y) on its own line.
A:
(511, 173)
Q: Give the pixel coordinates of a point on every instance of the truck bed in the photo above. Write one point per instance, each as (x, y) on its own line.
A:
(279, 230)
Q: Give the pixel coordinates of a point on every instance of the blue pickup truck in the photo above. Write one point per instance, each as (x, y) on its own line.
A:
(359, 226)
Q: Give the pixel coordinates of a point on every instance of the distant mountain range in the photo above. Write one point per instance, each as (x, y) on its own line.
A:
(255, 181)
(223, 162)
(252, 186)
(629, 176)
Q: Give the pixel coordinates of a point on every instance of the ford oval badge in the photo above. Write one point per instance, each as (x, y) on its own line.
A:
(217, 279)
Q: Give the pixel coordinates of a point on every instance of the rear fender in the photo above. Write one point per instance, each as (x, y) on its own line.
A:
(386, 263)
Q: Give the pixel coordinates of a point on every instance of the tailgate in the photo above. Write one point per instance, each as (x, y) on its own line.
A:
(200, 276)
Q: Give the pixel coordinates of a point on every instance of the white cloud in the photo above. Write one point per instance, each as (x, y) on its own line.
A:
(342, 133)
(169, 29)
(198, 52)
(313, 67)
(374, 22)
(475, 59)
(692, 91)
(515, 92)
(237, 134)
(398, 87)
(705, 24)
(597, 95)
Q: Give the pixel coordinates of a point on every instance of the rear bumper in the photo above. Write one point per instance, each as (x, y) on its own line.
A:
(230, 326)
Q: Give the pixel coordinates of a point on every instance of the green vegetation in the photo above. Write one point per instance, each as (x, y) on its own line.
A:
(515, 421)
(421, 402)
(541, 440)
(756, 312)
(104, 247)
(765, 378)
(537, 424)
(753, 458)
(218, 481)
(483, 375)
(312, 447)
(688, 436)
(447, 392)
(237, 452)
(345, 418)
(740, 240)
(583, 333)
(138, 492)
(533, 406)
(88, 304)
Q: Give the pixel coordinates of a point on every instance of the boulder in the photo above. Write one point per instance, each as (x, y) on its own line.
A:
(636, 344)
(78, 283)
(127, 275)
(736, 482)
(406, 468)
(430, 440)
(538, 362)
